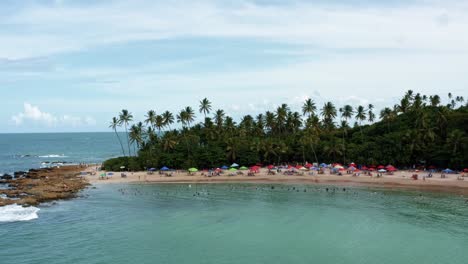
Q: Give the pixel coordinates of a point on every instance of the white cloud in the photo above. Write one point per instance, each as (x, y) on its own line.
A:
(33, 115)
(63, 28)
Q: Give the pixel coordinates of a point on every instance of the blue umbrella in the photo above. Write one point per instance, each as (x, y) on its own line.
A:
(447, 171)
(224, 167)
(323, 165)
(164, 168)
(152, 169)
(110, 173)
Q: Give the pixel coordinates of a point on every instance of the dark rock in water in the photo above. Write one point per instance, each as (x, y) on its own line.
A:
(6, 177)
(19, 174)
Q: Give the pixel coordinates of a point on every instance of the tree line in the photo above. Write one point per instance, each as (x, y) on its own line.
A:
(418, 131)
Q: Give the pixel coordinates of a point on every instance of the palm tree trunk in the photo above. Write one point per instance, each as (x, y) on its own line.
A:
(315, 154)
(128, 141)
(120, 141)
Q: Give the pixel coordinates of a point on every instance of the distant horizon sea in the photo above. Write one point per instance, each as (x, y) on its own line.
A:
(24, 151)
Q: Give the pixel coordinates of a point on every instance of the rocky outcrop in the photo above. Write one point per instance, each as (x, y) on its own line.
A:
(44, 185)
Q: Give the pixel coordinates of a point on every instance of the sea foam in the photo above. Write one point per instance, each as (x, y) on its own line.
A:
(14, 213)
(53, 156)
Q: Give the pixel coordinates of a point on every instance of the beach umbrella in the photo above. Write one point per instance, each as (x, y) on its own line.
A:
(382, 170)
(447, 170)
(364, 168)
(110, 173)
(164, 168)
(232, 169)
(323, 165)
(152, 169)
(371, 169)
(381, 167)
(193, 170)
(352, 168)
(122, 167)
(338, 167)
(465, 170)
(103, 175)
(270, 167)
(392, 169)
(224, 167)
(243, 168)
(302, 168)
(308, 165)
(234, 165)
(341, 169)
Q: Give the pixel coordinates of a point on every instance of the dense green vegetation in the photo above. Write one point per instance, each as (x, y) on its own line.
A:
(417, 131)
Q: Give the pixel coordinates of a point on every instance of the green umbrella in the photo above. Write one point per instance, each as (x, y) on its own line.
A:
(232, 169)
(193, 169)
(243, 168)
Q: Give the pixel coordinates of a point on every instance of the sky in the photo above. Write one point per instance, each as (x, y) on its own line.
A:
(72, 65)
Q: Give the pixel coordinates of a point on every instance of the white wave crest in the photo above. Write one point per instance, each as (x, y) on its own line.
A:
(53, 156)
(14, 212)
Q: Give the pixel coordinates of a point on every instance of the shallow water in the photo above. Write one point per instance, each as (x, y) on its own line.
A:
(241, 223)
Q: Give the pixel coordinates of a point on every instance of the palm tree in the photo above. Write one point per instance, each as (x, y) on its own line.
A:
(370, 114)
(346, 113)
(126, 117)
(159, 123)
(435, 100)
(386, 115)
(328, 114)
(114, 124)
(190, 115)
(219, 118)
(150, 118)
(205, 106)
(168, 119)
(309, 107)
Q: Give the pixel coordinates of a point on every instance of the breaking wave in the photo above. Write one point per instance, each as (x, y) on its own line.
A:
(14, 213)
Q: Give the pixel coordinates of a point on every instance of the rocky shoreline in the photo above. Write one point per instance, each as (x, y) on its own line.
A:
(41, 185)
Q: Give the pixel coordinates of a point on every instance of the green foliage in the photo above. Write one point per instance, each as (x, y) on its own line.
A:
(418, 131)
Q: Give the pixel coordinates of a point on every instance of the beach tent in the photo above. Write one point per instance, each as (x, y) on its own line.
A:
(243, 168)
(193, 170)
(164, 168)
(234, 165)
(232, 169)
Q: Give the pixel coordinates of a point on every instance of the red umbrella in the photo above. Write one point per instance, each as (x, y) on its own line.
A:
(364, 168)
(381, 167)
(465, 170)
(270, 167)
(308, 165)
(342, 169)
(391, 169)
(290, 167)
(372, 169)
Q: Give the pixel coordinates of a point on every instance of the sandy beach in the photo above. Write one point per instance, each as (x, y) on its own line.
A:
(399, 180)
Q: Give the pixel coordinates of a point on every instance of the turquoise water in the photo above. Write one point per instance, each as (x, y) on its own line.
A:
(26, 151)
(241, 224)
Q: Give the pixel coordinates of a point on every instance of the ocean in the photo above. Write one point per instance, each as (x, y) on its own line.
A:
(241, 223)
(19, 152)
(221, 223)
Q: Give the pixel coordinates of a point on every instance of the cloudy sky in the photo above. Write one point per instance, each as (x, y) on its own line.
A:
(72, 65)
